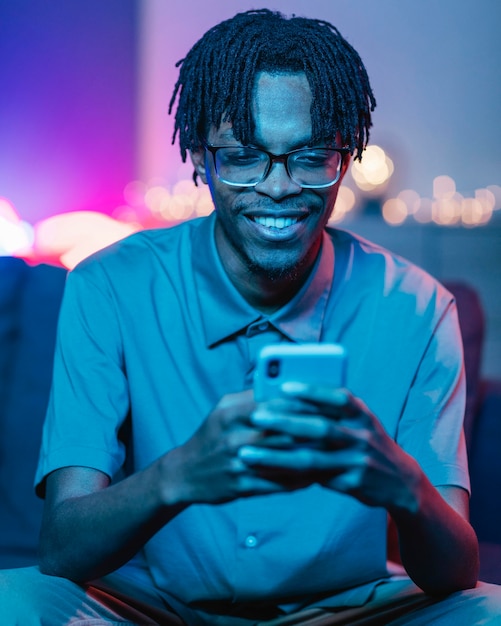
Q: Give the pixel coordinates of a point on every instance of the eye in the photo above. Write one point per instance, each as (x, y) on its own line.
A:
(239, 157)
(313, 158)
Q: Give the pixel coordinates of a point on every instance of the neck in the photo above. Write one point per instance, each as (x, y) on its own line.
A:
(268, 293)
(266, 286)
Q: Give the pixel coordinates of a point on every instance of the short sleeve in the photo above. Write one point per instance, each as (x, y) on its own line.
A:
(89, 396)
(431, 428)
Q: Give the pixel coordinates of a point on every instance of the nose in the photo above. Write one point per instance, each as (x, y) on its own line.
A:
(277, 184)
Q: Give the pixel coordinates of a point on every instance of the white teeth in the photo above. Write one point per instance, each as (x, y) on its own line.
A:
(276, 222)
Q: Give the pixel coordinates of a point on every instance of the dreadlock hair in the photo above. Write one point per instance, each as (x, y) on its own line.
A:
(217, 77)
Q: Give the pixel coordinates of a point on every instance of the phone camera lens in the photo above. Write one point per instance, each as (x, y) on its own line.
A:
(273, 368)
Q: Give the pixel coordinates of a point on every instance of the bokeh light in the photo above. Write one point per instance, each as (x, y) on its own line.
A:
(71, 237)
(411, 200)
(424, 212)
(185, 201)
(394, 211)
(444, 188)
(344, 204)
(374, 170)
(496, 192)
(16, 235)
(448, 207)
(68, 238)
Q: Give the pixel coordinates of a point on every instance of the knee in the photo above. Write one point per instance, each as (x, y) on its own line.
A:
(31, 598)
(481, 605)
(488, 598)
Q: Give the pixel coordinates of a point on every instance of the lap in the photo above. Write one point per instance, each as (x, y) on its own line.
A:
(30, 598)
(401, 603)
(481, 605)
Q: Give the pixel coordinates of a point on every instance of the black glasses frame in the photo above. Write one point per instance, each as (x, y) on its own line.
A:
(275, 158)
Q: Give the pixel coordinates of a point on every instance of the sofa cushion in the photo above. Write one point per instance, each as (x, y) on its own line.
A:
(30, 297)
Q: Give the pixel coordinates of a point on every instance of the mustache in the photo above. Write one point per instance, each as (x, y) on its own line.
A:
(288, 204)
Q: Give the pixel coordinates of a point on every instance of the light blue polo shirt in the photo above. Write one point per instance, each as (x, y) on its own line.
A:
(152, 334)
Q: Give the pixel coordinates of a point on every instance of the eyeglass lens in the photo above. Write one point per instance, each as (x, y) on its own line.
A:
(249, 166)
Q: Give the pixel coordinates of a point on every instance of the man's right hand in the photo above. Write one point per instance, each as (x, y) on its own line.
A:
(207, 469)
(92, 527)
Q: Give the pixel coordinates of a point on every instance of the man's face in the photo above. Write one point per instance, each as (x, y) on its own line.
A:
(247, 240)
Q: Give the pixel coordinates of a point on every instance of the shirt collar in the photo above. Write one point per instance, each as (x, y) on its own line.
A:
(300, 319)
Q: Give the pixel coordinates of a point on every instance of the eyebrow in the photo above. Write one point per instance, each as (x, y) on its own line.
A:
(255, 144)
(227, 135)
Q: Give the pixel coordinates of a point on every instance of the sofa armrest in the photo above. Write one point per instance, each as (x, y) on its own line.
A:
(485, 465)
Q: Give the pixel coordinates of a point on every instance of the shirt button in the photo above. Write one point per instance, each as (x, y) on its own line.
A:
(250, 541)
(262, 326)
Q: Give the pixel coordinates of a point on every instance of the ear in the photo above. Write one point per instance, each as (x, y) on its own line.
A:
(198, 160)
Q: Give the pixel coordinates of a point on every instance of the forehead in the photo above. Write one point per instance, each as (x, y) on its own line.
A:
(281, 111)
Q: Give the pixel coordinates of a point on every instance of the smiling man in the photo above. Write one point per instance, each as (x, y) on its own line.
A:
(171, 496)
(273, 199)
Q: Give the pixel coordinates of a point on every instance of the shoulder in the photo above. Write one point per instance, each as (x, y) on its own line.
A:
(390, 278)
(134, 247)
(139, 254)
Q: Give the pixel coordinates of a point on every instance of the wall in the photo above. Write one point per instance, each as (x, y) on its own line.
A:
(86, 84)
(68, 107)
(434, 67)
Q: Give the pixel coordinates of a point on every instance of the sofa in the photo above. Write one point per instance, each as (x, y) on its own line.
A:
(30, 297)
(483, 433)
(29, 303)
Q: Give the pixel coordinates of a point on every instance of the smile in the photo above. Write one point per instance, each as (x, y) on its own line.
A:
(276, 222)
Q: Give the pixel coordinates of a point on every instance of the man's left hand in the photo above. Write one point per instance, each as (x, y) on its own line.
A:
(339, 443)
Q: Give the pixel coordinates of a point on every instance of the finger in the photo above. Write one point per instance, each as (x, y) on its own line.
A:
(303, 459)
(262, 437)
(277, 440)
(307, 427)
(254, 485)
(235, 409)
(319, 431)
(250, 480)
(337, 402)
(290, 404)
(298, 460)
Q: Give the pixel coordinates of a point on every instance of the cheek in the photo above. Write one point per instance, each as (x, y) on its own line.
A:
(223, 196)
(214, 186)
(329, 199)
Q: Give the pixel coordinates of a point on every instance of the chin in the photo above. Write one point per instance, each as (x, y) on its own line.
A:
(274, 273)
(277, 268)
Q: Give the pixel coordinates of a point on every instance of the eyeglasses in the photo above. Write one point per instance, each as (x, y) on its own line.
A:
(243, 166)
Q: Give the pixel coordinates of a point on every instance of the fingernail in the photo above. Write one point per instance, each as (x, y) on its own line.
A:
(262, 417)
(294, 387)
(250, 453)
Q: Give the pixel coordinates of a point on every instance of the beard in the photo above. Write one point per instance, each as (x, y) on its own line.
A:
(283, 262)
(273, 272)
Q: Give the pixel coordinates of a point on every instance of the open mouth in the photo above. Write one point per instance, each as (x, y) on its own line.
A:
(277, 222)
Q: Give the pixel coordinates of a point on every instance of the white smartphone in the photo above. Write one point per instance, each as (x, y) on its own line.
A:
(310, 363)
